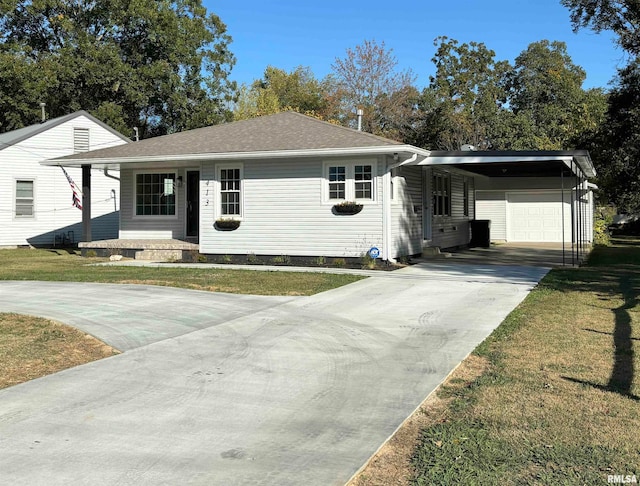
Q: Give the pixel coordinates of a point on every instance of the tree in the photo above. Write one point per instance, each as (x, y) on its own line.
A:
(615, 146)
(620, 16)
(465, 98)
(368, 79)
(161, 66)
(278, 90)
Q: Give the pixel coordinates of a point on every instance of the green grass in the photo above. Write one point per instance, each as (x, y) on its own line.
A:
(60, 265)
(559, 400)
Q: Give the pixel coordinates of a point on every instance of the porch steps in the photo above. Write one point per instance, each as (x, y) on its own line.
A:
(159, 255)
(434, 252)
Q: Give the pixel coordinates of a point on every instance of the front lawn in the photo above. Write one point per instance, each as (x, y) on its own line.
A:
(60, 265)
(551, 397)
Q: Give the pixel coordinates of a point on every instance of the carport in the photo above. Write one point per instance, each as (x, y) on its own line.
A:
(530, 196)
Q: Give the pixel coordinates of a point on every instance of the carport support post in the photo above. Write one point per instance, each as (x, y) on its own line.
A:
(86, 203)
(562, 206)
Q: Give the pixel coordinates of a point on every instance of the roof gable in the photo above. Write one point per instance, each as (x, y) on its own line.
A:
(280, 132)
(15, 136)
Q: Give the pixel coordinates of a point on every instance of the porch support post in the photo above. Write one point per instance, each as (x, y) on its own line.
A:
(573, 220)
(86, 203)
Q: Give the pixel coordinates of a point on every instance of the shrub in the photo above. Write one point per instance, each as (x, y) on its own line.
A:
(252, 259)
(368, 261)
(320, 261)
(339, 262)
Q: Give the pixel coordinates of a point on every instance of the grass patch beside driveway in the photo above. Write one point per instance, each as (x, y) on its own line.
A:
(31, 347)
(551, 397)
(60, 265)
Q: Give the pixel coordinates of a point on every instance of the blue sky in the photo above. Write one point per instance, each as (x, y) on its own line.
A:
(287, 34)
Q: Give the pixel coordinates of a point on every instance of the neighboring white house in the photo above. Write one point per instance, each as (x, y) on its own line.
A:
(280, 178)
(36, 202)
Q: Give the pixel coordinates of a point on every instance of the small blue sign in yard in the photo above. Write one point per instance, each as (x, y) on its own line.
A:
(374, 252)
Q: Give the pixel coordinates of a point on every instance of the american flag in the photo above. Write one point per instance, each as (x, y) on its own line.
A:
(75, 197)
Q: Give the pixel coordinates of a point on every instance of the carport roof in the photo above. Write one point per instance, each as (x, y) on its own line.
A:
(516, 163)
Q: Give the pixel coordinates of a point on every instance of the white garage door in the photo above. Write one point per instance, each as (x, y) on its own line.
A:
(537, 217)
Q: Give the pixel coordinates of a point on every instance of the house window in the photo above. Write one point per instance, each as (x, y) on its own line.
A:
(155, 194)
(80, 140)
(230, 192)
(363, 177)
(465, 197)
(337, 182)
(349, 182)
(24, 199)
(441, 195)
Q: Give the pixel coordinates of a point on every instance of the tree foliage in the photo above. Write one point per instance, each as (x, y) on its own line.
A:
(465, 97)
(615, 146)
(161, 66)
(368, 79)
(620, 16)
(278, 90)
(538, 103)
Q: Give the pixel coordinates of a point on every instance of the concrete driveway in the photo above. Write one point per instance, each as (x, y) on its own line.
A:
(242, 389)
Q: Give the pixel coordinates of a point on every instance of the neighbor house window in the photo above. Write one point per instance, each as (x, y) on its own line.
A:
(230, 191)
(337, 182)
(80, 140)
(155, 194)
(441, 195)
(24, 199)
(349, 182)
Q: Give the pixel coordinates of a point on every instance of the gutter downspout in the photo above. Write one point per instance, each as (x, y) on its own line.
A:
(106, 174)
(386, 207)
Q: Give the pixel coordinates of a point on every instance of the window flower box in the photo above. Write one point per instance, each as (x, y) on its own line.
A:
(347, 208)
(226, 224)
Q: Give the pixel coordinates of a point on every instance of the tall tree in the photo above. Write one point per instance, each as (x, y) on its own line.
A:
(615, 146)
(620, 16)
(368, 79)
(278, 90)
(550, 107)
(162, 66)
(465, 98)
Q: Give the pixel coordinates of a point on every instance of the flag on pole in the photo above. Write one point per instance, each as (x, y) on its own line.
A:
(75, 197)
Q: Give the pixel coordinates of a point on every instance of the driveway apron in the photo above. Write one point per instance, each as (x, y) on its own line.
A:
(285, 391)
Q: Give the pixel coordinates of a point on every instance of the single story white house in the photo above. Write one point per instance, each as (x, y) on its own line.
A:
(276, 185)
(37, 202)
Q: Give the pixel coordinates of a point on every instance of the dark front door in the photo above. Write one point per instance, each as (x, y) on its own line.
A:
(193, 203)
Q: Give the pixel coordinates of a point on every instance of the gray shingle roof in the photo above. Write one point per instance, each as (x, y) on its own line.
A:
(11, 138)
(279, 132)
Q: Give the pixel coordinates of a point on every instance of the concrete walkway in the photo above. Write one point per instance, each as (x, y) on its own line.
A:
(300, 391)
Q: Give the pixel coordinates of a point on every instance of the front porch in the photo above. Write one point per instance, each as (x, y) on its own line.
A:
(168, 249)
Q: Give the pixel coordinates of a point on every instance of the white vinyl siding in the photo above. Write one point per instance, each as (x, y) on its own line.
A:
(55, 218)
(24, 199)
(284, 212)
(492, 206)
(406, 212)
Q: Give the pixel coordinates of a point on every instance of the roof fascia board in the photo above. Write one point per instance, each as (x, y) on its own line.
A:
(351, 151)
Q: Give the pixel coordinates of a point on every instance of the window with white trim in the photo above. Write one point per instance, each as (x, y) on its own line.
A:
(155, 194)
(337, 182)
(363, 177)
(24, 199)
(349, 182)
(441, 191)
(230, 191)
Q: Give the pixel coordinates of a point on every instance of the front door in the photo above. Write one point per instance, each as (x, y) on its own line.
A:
(193, 203)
